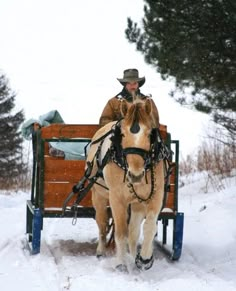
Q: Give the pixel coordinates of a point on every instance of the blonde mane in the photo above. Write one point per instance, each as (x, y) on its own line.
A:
(140, 111)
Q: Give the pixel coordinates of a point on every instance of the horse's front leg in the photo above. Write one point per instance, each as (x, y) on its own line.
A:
(137, 216)
(100, 205)
(145, 259)
(119, 212)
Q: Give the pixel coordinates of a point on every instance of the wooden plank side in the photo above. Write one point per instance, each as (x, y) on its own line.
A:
(56, 193)
(173, 173)
(79, 130)
(58, 130)
(63, 170)
(66, 173)
(170, 201)
(172, 179)
(163, 131)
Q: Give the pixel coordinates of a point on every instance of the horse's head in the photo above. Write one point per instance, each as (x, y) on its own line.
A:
(136, 129)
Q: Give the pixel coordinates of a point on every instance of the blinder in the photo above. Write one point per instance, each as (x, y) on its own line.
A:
(116, 135)
(153, 135)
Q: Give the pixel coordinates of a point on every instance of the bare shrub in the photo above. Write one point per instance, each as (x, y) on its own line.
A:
(215, 158)
(187, 166)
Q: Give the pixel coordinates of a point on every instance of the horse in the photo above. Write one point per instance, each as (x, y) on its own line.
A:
(128, 155)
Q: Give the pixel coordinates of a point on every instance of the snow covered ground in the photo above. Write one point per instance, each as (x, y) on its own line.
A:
(49, 69)
(67, 260)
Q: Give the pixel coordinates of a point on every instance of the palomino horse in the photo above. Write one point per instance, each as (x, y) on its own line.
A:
(133, 175)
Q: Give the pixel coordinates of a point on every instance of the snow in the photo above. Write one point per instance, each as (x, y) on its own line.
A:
(67, 259)
(50, 68)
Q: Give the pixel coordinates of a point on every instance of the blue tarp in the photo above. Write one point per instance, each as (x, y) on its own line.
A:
(72, 150)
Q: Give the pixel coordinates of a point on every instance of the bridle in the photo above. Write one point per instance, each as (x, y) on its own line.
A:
(119, 154)
(151, 157)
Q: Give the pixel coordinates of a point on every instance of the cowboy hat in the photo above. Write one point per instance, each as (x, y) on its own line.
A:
(131, 75)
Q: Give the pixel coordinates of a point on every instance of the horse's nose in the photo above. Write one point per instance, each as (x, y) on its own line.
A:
(135, 178)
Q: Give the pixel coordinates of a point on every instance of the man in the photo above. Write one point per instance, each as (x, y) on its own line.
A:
(131, 83)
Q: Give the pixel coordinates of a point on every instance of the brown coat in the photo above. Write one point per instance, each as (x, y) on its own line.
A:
(111, 111)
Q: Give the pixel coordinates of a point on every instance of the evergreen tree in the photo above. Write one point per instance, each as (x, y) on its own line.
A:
(193, 41)
(11, 142)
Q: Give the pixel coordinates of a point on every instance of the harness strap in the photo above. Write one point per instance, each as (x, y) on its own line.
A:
(133, 150)
(101, 138)
(82, 192)
(80, 187)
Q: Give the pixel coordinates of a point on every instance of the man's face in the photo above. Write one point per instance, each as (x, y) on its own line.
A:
(132, 87)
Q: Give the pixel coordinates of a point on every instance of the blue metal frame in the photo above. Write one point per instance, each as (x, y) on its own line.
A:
(178, 236)
(173, 252)
(34, 225)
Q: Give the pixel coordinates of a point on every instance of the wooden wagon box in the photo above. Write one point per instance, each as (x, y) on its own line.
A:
(54, 176)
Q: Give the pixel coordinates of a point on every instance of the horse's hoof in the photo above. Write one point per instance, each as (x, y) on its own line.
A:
(122, 268)
(100, 256)
(143, 264)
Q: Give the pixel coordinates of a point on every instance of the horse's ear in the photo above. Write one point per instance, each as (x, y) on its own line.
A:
(124, 107)
(148, 106)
